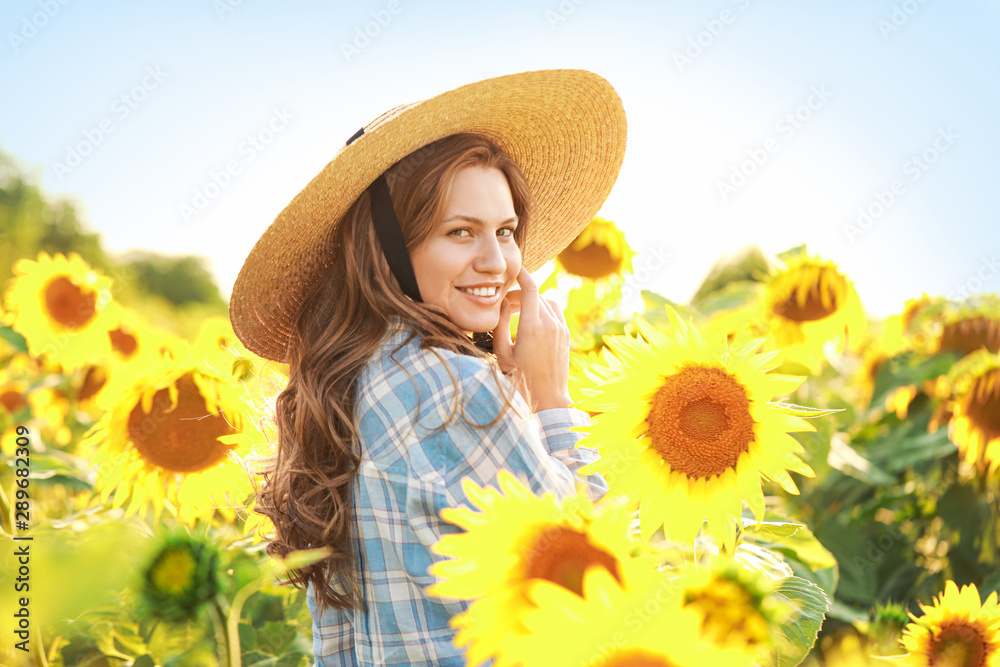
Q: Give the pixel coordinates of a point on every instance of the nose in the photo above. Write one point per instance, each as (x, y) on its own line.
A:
(490, 258)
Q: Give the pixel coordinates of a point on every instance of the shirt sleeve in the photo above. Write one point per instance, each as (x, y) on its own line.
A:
(561, 443)
(477, 435)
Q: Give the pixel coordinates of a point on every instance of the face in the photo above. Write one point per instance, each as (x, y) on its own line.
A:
(470, 260)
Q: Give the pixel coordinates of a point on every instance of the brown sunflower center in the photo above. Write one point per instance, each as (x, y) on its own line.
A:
(561, 555)
(984, 404)
(635, 658)
(592, 261)
(970, 334)
(700, 421)
(958, 644)
(123, 343)
(183, 439)
(93, 380)
(69, 305)
(12, 400)
(728, 609)
(814, 306)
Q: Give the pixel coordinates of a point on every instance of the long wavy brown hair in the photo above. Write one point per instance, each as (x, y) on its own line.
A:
(306, 484)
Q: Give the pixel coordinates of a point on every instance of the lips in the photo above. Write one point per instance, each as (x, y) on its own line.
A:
(482, 300)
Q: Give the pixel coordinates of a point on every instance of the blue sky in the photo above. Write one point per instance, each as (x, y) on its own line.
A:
(767, 121)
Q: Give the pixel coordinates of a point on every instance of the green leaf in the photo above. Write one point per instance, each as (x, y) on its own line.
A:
(800, 550)
(144, 661)
(992, 584)
(796, 636)
(779, 528)
(902, 371)
(262, 660)
(901, 452)
(847, 460)
(274, 637)
(248, 637)
(731, 297)
(57, 467)
(15, 339)
(792, 253)
(846, 613)
(805, 412)
(763, 560)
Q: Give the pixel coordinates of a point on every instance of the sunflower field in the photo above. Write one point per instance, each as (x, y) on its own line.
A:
(791, 482)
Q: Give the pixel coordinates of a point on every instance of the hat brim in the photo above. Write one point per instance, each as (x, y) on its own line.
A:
(565, 129)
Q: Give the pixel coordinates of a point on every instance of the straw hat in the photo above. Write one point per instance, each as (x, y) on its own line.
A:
(565, 129)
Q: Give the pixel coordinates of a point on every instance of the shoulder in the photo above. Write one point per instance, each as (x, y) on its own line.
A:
(418, 378)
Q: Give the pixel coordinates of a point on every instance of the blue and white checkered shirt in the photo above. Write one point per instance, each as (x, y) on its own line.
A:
(408, 474)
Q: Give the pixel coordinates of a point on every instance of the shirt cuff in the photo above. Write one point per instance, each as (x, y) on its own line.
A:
(561, 444)
(555, 423)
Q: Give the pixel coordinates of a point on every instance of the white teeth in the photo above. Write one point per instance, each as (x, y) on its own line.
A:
(480, 291)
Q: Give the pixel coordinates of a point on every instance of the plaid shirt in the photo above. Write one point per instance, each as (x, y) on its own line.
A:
(409, 473)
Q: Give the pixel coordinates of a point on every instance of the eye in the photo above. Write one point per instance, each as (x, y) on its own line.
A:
(456, 231)
(506, 229)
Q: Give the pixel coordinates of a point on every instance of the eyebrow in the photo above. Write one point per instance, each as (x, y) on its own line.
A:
(469, 218)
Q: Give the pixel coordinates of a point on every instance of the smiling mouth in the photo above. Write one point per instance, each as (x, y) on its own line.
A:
(479, 291)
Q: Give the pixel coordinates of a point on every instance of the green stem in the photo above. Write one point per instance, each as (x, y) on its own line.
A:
(221, 641)
(38, 647)
(233, 620)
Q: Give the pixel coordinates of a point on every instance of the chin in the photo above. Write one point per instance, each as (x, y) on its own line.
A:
(477, 323)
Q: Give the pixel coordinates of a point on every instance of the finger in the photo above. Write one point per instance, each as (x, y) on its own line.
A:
(558, 319)
(558, 312)
(514, 297)
(529, 296)
(501, 337)
(547, 308)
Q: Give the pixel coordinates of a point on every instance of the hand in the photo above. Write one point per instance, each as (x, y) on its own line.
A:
(541, 354)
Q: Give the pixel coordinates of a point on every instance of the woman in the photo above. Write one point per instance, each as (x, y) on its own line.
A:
(375, 285)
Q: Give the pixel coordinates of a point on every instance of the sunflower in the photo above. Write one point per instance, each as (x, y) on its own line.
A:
(598, 253)
(911, 328)
(974, 422)
(13, 393)
(965, 329)
(893, 337)
(583, 308)
(956, 631)
(579, 363)
(218, 348)
(810, 304)
(514, 538)
(169, 436)
(133, 341)
(688, 429)
(738, 606)
(26, 398)
(848, 650)
(50, 409)
(638, 623)
(182, 576)
(62, 309)
(737, 326)
(899, 399)
(968, 334)
(13, 408)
